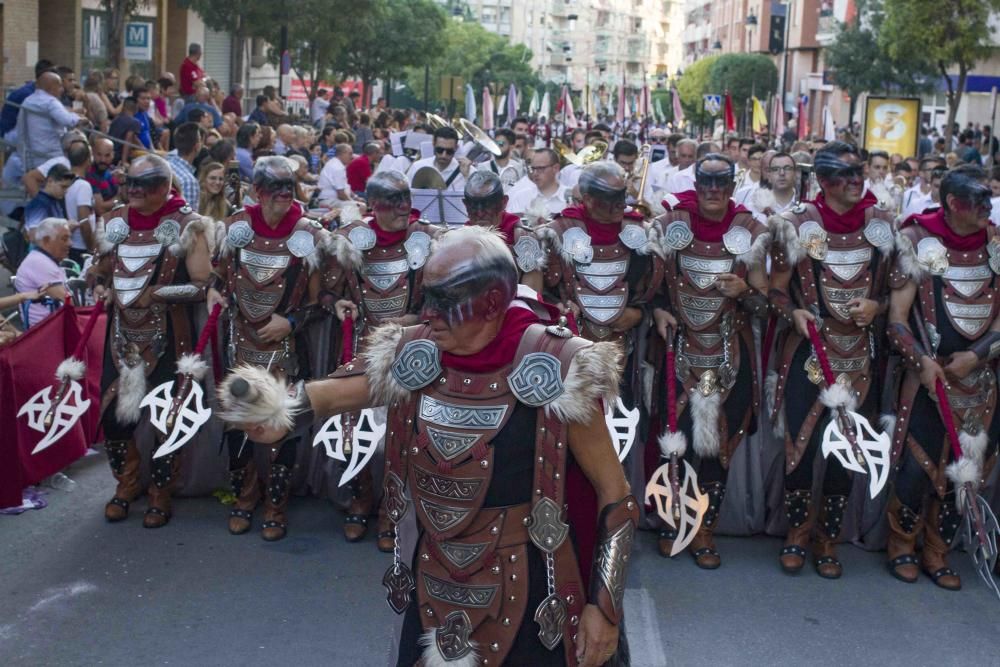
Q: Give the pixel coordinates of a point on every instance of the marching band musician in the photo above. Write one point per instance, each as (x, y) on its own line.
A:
(831, 261)
(268, 270)
(507, 166)
(715, 283)
(152, 264)
(445, 143)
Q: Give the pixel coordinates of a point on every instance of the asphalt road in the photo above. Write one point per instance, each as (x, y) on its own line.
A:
(76, 590)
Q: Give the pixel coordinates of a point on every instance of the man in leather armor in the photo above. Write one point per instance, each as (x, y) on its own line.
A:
(944, 320)
(831, 263)
(153, 262)
(268, 272)
(714, 284)
(486, 205)
(493, 416)
(601, 268)
(376, 278)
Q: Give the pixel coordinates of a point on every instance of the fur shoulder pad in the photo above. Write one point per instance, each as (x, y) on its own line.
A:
(340, 245)
(907, 263)
(592, 373)
(749, 251)
(193, 226)
(378, 355)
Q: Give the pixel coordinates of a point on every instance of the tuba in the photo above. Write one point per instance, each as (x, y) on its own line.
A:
(484, 147)
(592, 153)
(566, 154)
(436, 122)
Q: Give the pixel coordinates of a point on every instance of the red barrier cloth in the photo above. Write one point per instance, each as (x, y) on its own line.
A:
(26, 366)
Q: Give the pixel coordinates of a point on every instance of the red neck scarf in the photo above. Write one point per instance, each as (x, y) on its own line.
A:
(144, 223)
(844, 223)
(384, 239)
(600, 233)
(705, 230)
(284, 227)
(508, 222)
(936, 224)
(501, 350)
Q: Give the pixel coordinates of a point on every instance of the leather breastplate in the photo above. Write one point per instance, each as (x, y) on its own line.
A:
(598, 275)
(143, 264)
(268, 277)
(385, 284)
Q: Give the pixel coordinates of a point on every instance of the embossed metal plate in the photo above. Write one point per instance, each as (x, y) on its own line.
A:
(879, 234)
(577, 245)
(417, 365)
(737, 240)
(362, 237)
(551, 618)
(537, 380)
(450, 444)
(240, 234)
(633, 236)
(547, 530)
(452, 637)
(528, 253)
(476, 597)
(116, 231)
(301, 243)
(418, 247)
(399, 584)
(678, 235)
(442, 413)
(167, 232)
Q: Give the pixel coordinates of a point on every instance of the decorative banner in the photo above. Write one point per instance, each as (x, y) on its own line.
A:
(678, 110)
(892, 124)
(730, 114)
(759, 117)
(713, 104)
(470, 103)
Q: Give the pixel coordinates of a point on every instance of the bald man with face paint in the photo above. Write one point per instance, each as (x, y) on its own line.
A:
(489, 396)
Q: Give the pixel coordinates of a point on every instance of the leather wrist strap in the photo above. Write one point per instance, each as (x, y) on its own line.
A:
(901, 338)
(987, 348)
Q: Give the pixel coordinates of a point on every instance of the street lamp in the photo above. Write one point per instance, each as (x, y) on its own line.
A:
(717, 45)
(751, 20)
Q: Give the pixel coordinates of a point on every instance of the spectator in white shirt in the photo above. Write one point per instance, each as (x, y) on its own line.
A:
(319, 107)
(43, 120)
(80, 204)
(752, 177)
(545, 196)
(443, 160)
(333, 185)
(682, 180)
(918, 198)
(40, 271)
(878, 168)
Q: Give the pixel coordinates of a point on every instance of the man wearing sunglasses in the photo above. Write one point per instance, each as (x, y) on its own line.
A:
(486, 205)
(376, 279)
(506, 165)
(490, 397)
(831, 264)
(601, 268)
(268, 278)
(715, 284)
(944, 320)
(445, 143)
(152, 265)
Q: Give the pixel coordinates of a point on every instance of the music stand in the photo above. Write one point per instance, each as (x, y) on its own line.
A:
(440, 206)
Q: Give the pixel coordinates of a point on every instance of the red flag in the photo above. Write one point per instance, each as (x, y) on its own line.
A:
(26, 366)
(730, 116)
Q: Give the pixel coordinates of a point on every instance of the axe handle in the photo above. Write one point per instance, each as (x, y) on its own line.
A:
(824, 363)
(206, 332)
(671, 383)
(944, 407)
(347, 337)
(88, 329)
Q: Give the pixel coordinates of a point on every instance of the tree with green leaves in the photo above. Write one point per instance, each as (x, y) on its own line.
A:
(118, 12)
(861, 64)
(692, 86)
(392, 36)
(242, 19)
(481, 58)
(743, 75)
(953, 34)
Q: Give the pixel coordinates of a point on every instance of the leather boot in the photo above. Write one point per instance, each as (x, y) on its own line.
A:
(362, 503)
(904, 526)
(665, 542)
(386, 531)
(831, 518)
(798, 508)
(246, 488)
(166, 475)
(939, 531)
(124, 460)
(702, 547)
(279, 485)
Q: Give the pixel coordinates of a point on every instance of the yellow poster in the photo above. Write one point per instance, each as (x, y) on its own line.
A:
(892, 124)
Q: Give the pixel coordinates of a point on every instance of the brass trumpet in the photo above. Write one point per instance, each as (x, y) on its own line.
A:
(642, 166)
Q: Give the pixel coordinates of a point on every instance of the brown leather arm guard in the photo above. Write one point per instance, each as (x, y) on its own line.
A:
(781, 304)
(987, 348)
(901, 338)
(753, 302)
(615, 534)
(183, 293)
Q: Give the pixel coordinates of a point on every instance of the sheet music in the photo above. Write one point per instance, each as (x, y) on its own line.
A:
(396, 141)
(440, 206)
